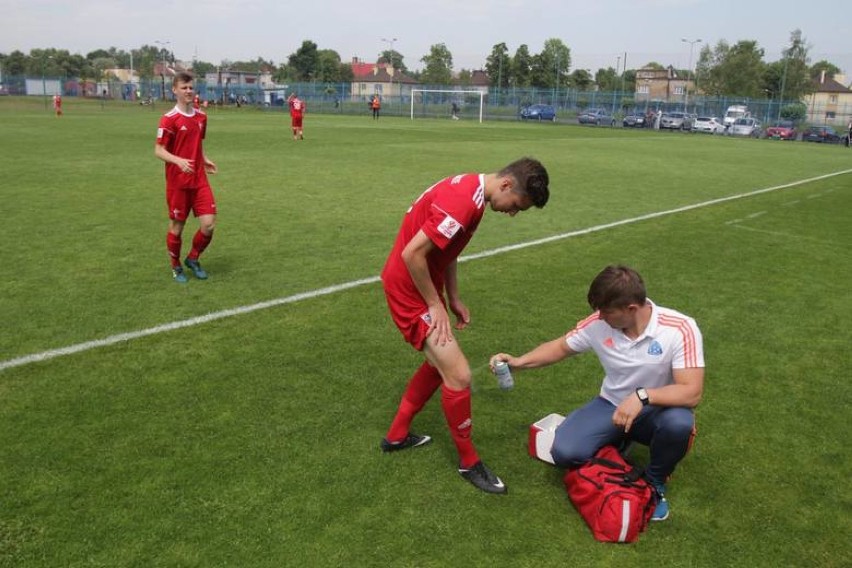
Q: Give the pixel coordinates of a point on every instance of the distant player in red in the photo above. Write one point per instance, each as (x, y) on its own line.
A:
(196, 102)
(179, 138)
(57, 105)
(420, 269)
(297, 111)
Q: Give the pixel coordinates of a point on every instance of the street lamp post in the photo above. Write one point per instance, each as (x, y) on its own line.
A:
(499, 77)
(390, 42)
(163, 69)
(556, 81)
(615, 85)
(784, 85)
(691, 43)
(43, 81)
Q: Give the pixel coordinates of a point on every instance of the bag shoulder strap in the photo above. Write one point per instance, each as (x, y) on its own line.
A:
(632, 473)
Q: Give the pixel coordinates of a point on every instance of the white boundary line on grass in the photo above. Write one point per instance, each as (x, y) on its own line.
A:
(123, 337)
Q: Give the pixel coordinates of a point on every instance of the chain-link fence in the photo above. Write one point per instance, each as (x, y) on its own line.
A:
(499, 104)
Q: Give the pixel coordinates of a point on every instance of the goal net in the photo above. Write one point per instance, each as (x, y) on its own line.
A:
(453, 104)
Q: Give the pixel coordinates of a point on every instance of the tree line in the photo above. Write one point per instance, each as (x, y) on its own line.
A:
(724, 69)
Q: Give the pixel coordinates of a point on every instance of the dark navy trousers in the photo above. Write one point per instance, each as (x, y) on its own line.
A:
(667, 431)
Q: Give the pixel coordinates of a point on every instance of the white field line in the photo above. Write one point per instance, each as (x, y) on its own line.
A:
(213, 316)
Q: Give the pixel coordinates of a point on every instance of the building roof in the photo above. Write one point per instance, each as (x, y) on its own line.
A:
(654, 74)
(378, 73)
(829, 85)
(479, 78)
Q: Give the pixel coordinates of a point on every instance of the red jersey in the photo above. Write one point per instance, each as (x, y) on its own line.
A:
(297, 107)
(57, 101)
(182, 134)
(448, 213)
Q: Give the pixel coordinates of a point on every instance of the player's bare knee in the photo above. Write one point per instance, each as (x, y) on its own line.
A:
(458, 380)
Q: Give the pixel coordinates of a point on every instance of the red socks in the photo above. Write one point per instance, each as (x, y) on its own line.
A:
(420, 389)
(173, 244)
(199, 243)
(456, 406)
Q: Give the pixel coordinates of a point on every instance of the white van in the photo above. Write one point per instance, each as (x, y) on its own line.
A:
(735, 112)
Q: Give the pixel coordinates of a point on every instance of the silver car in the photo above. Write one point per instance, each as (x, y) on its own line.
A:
(676, 121)
(745, 127)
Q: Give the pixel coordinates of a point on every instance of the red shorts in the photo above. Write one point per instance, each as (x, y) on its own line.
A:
(412, 319)
(296, 121)
(198, 200)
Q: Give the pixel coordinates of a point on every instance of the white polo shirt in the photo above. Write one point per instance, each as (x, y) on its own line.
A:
(671, 340)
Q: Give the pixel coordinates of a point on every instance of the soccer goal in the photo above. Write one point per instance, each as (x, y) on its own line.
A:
(437, 102)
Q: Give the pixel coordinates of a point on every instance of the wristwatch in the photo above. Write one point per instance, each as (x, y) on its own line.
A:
(643, 395)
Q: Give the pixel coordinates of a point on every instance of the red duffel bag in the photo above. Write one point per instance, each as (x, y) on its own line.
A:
(612, 496)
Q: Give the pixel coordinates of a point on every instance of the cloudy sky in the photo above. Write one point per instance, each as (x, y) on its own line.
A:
(598, 32)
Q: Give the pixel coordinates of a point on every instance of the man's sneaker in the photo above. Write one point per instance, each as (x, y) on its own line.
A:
(193, 265)
(410, 441)
(483, 479)
(661, 509)
(179, 275)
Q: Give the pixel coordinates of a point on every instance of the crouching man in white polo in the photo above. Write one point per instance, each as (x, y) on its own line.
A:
(653, 359)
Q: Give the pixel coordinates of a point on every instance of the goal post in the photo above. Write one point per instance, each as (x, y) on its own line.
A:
(443, 97)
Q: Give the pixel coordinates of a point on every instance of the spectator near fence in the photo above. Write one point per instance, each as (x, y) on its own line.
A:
(849, 132)
(375, 106)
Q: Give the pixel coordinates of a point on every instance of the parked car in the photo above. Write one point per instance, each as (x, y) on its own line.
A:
(781, 130)
(709, 124)
(596, 116)
(825, 134)
(676, 121)
(538, 112)
(745, 127)
(635, 119)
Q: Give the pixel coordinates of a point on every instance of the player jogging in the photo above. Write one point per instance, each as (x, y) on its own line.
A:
(297, 111)
(420, 269)
(179, 138)
(57, 105)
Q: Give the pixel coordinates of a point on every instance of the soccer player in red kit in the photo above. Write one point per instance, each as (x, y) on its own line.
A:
(57, 105)
(297, 111)
(178, 144)
(421, 268)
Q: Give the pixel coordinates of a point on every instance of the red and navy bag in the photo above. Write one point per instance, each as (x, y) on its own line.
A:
(611, 495)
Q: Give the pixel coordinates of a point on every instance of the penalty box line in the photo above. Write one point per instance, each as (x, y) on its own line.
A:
(213, 316)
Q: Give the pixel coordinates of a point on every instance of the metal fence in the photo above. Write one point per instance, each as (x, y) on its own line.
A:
(339, 98)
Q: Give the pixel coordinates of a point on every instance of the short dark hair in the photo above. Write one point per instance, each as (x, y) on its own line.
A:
(182, 77)
(532, 179)
(616, 286)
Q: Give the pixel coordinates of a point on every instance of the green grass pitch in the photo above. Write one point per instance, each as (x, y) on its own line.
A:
(252, 440)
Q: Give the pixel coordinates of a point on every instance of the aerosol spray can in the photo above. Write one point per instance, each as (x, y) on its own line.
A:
(504, 375)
